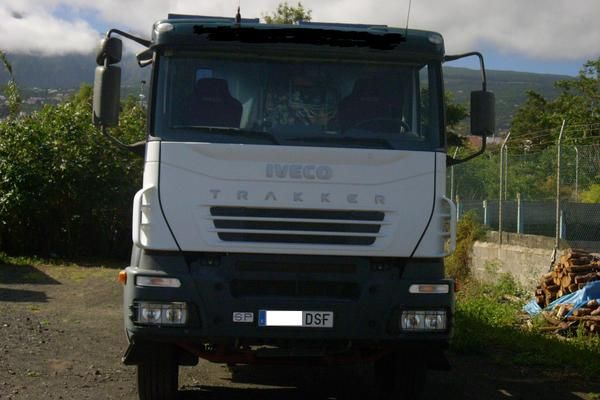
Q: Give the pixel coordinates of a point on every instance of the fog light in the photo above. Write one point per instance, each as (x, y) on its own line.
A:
(423, 321)
(162, 314)
(435, 321)
(412, 321)
(150, 313)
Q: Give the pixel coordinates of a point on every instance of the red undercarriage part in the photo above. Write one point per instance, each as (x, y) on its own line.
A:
(221, 354)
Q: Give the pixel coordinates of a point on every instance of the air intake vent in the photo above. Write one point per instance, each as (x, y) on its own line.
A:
(270, 225)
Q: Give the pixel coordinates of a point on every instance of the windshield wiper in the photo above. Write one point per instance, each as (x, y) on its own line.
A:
(228, 131)
(370, 142)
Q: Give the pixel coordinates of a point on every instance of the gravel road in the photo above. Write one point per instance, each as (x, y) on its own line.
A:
(61, 337)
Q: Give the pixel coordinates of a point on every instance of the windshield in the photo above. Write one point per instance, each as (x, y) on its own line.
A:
(326, 103)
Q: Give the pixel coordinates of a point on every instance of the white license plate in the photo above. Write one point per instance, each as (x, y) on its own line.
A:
(308, 319)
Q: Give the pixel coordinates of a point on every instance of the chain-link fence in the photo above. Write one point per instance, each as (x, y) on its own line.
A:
(524, 174)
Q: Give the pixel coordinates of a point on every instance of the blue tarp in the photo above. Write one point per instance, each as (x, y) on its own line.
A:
(579, 298)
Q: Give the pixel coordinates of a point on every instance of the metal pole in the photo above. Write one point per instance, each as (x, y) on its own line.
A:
(558, 154)
(500, 191)
(519, 213)
(505, 171)
(452, 175)
(485, 213)
(576, 174)
(458, 205)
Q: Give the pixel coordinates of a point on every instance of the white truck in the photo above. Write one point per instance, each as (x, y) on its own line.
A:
(293, 205)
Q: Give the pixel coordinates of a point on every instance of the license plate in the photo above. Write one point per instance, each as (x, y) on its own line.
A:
(305, 319)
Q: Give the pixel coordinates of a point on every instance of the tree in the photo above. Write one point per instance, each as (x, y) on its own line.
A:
(13, 95)
(592, 195)
(286, 14)
(65, 189)
(455, 114)
(537, 121)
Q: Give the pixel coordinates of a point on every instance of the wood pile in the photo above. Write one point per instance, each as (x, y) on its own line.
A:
(588, 316)
(571, 272)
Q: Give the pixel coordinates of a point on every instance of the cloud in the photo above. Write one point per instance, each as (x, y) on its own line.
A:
(539, 29)
(36, 30)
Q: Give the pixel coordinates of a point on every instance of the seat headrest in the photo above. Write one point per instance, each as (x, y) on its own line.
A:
(212, 87)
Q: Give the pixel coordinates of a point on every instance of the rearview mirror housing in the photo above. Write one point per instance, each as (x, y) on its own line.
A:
(110, 51)
(107, 94)
(483, 113)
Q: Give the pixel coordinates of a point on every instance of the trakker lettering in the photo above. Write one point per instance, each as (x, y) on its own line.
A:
(297, 197)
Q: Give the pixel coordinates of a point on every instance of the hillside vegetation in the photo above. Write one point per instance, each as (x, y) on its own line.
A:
(70, 71)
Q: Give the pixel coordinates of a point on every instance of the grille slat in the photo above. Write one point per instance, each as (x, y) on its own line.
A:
(298, 289)
(268, 225)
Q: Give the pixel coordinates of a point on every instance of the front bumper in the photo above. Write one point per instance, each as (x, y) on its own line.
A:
(366, 296)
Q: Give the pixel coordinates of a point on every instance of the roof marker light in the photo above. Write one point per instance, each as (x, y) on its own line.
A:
(163, 27)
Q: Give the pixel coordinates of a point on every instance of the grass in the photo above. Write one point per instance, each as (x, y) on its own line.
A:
(36, 270)
(489, 322)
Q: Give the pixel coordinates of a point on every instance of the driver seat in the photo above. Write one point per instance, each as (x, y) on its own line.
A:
(213, 105)
(371, 99)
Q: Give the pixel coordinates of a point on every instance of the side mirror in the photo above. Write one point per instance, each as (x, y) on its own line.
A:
(483, 113)
(110, 51)
(107, 95)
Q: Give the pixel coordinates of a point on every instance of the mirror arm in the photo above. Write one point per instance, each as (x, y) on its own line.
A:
(481, 63)
(138, 148)
(453, 161)
(143, 42)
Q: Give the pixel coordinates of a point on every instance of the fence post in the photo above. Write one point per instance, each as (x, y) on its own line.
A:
(500, 191)
(576, 174)
(505, 172)
(558, 153)
(563, 226)
(452, 174)
(485, 213)
(458, 207)
(519, 215)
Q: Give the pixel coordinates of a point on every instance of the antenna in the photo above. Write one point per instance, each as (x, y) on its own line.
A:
(407, 18)
(238, 16)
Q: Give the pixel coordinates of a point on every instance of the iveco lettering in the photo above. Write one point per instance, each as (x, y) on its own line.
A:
(293, 206)
(321, 172)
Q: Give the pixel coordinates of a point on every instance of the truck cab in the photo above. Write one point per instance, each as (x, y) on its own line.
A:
(293, 206)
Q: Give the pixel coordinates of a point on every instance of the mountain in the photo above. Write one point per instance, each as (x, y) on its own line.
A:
(509, 87)
(66, 71)
(69, 71)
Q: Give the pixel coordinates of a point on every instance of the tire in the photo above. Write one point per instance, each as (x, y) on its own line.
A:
(400, 376)
(158, 375)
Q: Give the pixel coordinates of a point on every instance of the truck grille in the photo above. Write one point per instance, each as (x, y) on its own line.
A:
(295, 288)
(271, 225)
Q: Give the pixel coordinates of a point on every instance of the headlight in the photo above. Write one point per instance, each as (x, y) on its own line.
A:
(423, 321)
(161, 314)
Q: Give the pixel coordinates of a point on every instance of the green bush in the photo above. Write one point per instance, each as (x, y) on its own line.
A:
(64, 189)
(468, 231)
(489, 321)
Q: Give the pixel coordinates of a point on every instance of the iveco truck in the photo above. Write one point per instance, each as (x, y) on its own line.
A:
(293, 207)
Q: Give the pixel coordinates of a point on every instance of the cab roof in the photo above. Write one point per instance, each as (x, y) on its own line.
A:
(193, 31)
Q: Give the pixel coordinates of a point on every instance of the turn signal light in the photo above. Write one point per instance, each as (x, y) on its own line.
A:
(122, 277)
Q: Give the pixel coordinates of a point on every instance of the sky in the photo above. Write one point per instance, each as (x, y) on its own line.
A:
(544, 36)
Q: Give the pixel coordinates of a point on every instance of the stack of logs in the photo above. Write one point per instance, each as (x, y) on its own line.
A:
(571, 272)
(587, 316)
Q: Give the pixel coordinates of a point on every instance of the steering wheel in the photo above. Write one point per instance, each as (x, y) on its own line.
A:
(383, 124)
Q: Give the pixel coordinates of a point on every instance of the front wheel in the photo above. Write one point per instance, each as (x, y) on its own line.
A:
(400, 376)
(158, 374)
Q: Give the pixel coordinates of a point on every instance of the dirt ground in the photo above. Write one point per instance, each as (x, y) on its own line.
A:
(61, 337)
